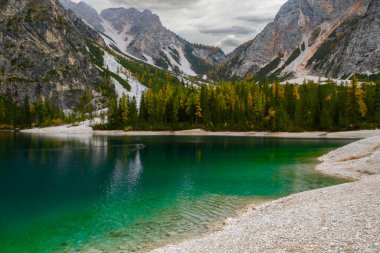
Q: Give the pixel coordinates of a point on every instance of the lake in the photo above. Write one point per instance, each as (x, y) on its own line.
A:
(70, 194)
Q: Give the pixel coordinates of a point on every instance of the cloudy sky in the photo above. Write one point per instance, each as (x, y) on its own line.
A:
(223, 23)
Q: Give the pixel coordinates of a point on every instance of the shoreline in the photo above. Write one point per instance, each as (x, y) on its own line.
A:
(344, 217)
(358, 134)
(87, 129)
(355, 161)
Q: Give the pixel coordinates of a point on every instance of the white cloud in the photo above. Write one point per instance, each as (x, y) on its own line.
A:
(223, 23)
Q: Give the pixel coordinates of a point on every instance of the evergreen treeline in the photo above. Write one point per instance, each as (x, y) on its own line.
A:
(238, 106)
(40, 114)
(27, 114)
(247, 105)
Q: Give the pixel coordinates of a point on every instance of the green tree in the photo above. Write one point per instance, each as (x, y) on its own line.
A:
(124, 109)
(377, 102)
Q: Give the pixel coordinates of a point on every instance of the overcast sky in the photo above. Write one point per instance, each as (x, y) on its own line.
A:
(223, 23)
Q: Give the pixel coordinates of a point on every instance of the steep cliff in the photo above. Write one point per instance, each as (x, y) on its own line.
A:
(327, 37)
(43, 54)
(353, 48)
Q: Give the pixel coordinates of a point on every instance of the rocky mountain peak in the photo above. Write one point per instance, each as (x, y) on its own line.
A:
(87, 13)
(298, 31)
(120, 17)
(141, 35)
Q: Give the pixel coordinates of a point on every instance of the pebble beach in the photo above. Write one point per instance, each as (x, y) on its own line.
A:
(341, 218)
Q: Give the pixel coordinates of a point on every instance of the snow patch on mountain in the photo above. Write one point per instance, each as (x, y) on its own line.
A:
(149, 59)
(137, 89)
(113, 65)
(183, 65)
(300, 80)
(172, 61)
(118, 38)
(112, 44)
(297, 65)
(119, 89)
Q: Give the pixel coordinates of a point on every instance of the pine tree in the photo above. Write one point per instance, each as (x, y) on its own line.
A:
(113, 113)
(133, 112)
(377, 101)
(124, 109)
(26, 121)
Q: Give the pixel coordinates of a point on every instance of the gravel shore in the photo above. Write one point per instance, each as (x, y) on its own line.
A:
(354, 161)
(342, 218)
(66, 129)
(199, 132)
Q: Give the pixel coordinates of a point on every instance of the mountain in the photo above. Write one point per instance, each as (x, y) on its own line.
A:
(330, 38)
(43, 54)
(141, 35)
(354, 47)
(88, 14)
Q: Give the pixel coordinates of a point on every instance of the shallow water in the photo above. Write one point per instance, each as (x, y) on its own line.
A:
(69, 194)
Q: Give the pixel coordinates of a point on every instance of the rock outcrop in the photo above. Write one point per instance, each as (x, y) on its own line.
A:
(330, 38)
(87, 13)
(43, 54)
(353, 48)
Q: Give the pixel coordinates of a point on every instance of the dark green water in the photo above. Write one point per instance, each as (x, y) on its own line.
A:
(134, 193)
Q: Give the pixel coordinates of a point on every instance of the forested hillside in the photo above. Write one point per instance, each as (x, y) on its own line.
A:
(247, 105)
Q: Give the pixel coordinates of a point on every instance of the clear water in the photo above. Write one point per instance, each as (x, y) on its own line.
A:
(62, 194)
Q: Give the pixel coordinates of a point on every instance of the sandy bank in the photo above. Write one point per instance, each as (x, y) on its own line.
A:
(342, 218)
(84, 127)
(66, 129)
(199, 132)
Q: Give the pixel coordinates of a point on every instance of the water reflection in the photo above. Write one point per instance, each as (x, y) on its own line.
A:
(63, 170)
(135, 169)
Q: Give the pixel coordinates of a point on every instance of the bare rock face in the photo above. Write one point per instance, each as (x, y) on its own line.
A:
(353, 47)
(43, 54)
(140, 34)
(295, 41)
(85, 12)
(211, 55)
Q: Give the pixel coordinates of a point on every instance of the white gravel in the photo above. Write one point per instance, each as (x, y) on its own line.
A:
(342, 218)
(78, 128)
(199, 132)
(355, 161)
(65, 129)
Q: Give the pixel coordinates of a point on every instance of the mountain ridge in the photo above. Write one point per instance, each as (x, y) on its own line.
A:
(297, 43)
(299, 30)
(141, 35)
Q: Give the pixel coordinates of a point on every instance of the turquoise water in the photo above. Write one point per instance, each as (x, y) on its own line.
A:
(63, 194)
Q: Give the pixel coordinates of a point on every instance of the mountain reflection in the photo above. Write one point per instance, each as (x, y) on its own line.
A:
(126, 172)
(67, 168)
(135, 169)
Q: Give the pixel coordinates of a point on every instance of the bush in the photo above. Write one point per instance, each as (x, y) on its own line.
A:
(128, 129)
